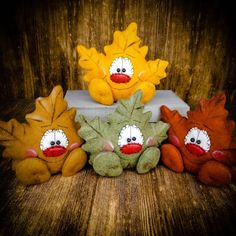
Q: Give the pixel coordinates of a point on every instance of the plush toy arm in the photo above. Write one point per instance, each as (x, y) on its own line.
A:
(74, 162)
(171, 157)
(227, 157)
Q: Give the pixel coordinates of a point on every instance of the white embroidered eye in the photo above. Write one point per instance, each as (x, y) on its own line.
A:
(53, 138)
(198, 137)
(60, 138)
(122, 66)
(130, 134)
(127, 67)
(116, 66)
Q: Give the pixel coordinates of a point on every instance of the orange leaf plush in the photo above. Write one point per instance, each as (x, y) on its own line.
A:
(122, 70)
(202, 143)
(46, 144)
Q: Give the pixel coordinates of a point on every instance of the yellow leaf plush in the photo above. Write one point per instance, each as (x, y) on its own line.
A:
(122, 70)
(47, 143)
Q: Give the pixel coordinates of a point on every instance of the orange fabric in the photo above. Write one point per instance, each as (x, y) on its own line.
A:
(214, 173)
(210, 116)
(171, 157)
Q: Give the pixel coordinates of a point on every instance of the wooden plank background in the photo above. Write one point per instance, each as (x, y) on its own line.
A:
(38, 43)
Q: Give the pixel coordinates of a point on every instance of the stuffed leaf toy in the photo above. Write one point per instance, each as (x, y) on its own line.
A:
(126, 140)
(122, 70)
(202, 143)
(46, 144)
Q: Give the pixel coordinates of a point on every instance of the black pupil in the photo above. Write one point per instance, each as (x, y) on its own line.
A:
(198, 141)
(58, 142)
(123, 70)
(134, 138)
(192, 140)
(118, 69)
(128, 140)
(52, 143)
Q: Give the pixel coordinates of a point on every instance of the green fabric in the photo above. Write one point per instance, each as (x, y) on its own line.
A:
(107, 164)
(148, 160)
(102, 138)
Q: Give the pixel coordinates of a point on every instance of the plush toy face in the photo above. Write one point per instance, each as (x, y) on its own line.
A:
(130, 139)
(205, 132)
(124, 71)
(127, 134)
(54, 143)
(49, 134)
(197, 141)
(123, 67)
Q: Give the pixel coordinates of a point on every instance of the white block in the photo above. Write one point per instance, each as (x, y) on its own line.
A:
(84, 104)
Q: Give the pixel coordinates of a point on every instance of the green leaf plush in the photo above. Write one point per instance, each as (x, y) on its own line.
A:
(126, 140)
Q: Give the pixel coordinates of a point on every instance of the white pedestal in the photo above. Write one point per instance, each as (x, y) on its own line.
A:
(84, 104)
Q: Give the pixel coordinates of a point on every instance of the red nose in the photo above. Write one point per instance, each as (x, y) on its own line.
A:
(54, 151)
(195, 149)
(120, 78)
(131, 148)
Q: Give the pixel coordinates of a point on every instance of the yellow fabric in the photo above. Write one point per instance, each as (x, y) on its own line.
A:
(126, 44)
(74, 162)
(22, 141)
(32, 171)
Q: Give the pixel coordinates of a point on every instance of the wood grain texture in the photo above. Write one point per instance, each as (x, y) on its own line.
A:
(38, 43)
(158, 203)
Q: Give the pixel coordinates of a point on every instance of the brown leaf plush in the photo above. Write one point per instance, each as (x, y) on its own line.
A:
(17, 137)
(213, 114)
(48, 109)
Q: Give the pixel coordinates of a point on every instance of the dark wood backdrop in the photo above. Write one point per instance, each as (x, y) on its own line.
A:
(38, 43)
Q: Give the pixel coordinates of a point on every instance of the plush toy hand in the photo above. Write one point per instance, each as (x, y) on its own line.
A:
(108, 146)
(172, 158)
(151, 141)
(173, 139)
(31, 152)
(227, 157)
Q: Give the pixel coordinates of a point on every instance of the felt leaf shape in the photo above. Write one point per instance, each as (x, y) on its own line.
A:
(129, 110)
(159, 131)
(49, 109)
(154, 72)
(92, 62)
(11, 136)
(124, 40)
(213, 114)
(95, 132)
(171, 116)
(11, 130)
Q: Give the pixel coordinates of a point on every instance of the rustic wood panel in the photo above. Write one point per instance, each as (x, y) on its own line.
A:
(38, 41)
(158, 203)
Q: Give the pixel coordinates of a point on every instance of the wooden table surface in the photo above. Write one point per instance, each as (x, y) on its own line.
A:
(158, 203)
